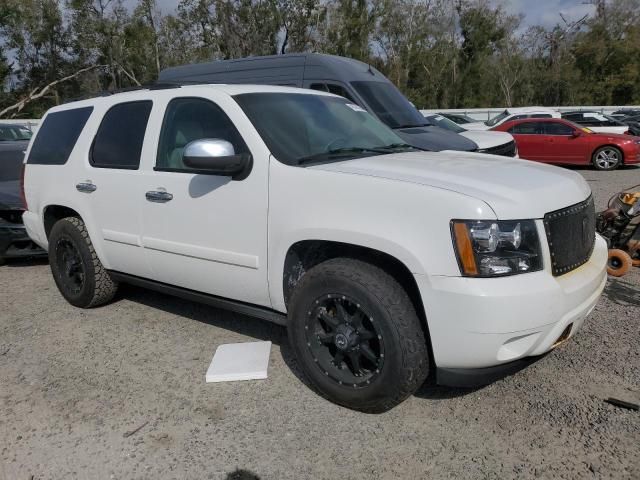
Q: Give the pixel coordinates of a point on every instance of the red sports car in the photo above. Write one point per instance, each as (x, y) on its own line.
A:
(554, 140)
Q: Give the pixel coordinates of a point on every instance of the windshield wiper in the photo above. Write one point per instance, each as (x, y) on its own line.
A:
(393, 146)
(340, 152)
(412, 125)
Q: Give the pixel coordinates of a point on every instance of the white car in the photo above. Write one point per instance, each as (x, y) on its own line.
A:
(513, 114)
(299, 207)
(596, 122)
(495, 143)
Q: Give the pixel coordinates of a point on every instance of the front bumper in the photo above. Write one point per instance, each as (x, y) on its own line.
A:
(15, 243)
(477, 323)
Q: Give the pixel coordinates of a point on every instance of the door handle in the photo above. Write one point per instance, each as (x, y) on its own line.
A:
(158, 196)
(86, 187)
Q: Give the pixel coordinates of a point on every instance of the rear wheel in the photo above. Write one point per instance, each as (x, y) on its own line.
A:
(77, 271)
(607, 158)
(357, 336)
(619, 262)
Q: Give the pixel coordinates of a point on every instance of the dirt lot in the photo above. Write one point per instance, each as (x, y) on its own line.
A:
(75, 384)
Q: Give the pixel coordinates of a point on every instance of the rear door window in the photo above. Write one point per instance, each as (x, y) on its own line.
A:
(57, 136)
(556, 128)
(118, 143)
(528, 128)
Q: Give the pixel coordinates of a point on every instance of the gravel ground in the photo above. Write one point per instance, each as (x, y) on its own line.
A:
(75, 385)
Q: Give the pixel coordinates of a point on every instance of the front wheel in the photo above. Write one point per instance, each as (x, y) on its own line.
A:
(357, 336)
(80, 276)
(607, 158)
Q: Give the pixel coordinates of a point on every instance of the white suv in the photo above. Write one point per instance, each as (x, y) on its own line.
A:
(296, 206)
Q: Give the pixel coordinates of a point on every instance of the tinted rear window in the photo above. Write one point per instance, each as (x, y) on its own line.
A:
(57, 136)
(118, 143)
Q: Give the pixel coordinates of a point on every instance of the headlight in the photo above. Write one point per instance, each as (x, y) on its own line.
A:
(494, 248)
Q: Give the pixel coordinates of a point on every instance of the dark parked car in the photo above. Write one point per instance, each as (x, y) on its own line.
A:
(633, 122)
(625, 113)
(356, 81)
(14, 241)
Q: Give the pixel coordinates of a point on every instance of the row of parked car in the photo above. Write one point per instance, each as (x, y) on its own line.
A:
(546, 135)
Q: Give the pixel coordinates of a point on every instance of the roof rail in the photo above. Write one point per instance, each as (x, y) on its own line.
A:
(108, 93)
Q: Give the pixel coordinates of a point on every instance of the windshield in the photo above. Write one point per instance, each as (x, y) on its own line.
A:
(442, 122)
(389, 104)
(14, 132)
(298, 127)
(494, 121)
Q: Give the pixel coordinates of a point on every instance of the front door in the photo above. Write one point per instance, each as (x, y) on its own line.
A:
(531, 141)
(206, 232)
(563, 146)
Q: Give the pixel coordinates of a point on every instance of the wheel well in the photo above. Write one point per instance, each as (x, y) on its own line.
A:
(306, 254)
(609, 145)
(53, 213)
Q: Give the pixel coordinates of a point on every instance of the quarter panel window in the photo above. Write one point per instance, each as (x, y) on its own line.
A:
(188, 119)
(57, 136)
(118, 143)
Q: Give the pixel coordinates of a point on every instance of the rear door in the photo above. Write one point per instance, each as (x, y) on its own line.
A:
(531, 140)
(209, 233)
(112, 183)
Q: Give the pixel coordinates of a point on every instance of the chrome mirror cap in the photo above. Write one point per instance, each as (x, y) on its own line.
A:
(210, 148)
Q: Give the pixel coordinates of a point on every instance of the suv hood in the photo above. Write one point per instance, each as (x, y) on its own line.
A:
(514, 189)
(435, 139)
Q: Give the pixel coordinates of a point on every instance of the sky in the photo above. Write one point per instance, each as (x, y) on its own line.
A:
(536, 12)
(542, 12)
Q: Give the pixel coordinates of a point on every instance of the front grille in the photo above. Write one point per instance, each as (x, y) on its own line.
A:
(506, 150)
(571, 233)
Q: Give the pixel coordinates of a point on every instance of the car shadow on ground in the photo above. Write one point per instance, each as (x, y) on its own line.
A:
(25, 262)
(260, 330)
(235, 322)
(621, 292)
(590, 168)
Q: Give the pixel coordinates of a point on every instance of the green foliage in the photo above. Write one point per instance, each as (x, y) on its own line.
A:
(440, 53)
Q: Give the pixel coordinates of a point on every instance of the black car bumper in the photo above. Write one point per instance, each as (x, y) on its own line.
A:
(478, 377)
(15, 243)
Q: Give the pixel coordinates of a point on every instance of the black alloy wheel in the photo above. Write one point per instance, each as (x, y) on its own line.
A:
(344, 340)
(70, 266)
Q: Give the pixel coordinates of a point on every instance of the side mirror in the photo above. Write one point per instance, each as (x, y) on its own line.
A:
(576, 133)
(214, 156)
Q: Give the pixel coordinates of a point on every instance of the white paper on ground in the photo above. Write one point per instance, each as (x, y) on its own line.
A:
(239, 361)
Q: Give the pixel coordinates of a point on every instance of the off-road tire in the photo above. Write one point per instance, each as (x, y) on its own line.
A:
(97, 287)
(618, 263)
(598, 166)
(406, 364)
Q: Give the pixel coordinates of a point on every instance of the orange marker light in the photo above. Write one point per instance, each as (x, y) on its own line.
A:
(465, 248)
